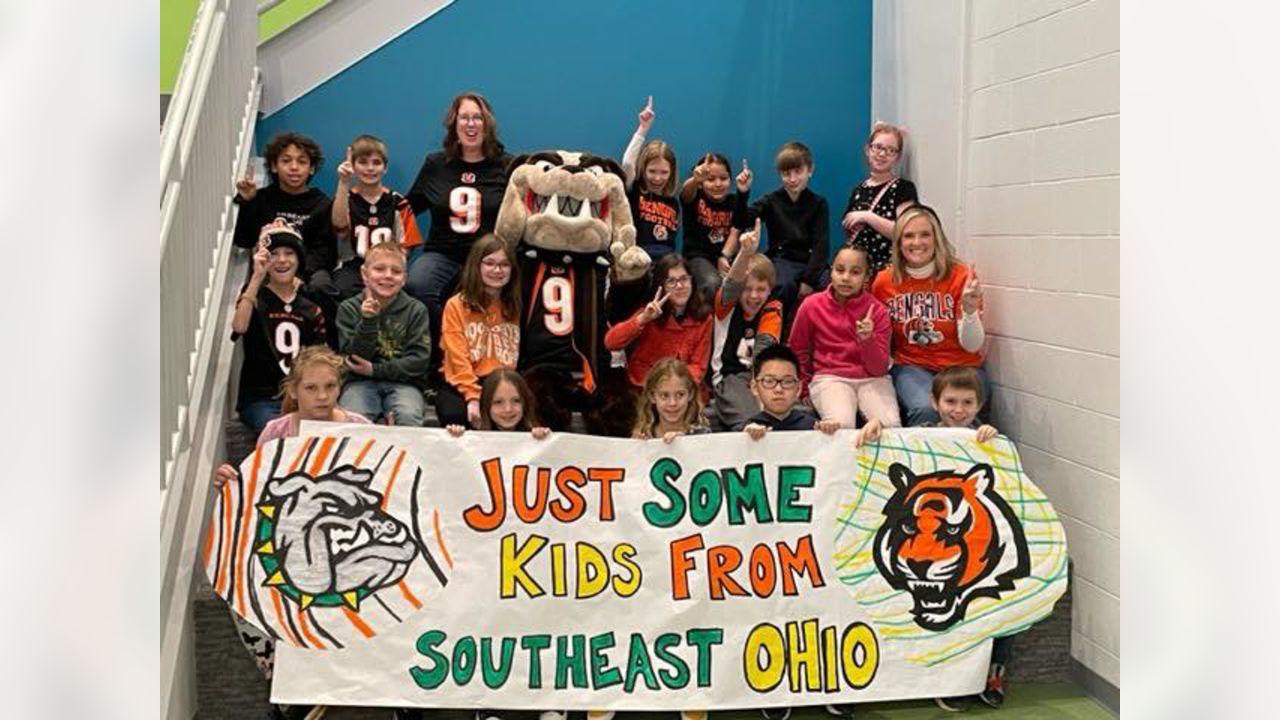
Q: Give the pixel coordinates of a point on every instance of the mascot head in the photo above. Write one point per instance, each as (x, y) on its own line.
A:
(328, 538)
(572, 202)
(947, 539)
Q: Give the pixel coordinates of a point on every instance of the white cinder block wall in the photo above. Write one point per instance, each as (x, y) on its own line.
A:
(1022, 159)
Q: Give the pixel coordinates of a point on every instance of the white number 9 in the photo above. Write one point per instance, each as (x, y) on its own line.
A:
(464, 203)
(557, 298)
(288, 343)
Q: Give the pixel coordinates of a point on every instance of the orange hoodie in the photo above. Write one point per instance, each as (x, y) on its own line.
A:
(475, 344)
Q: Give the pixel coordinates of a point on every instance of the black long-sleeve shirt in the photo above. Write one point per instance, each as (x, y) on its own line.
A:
(797, 229)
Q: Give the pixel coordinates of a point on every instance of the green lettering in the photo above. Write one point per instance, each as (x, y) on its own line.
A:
(704, 497)
(432, 678)
(464, 660)
(535, 644)
(638, 663)
(680, 678)
(496, 677)
(790, 479)
(748, 492)
(575, 661)
(661, 475)
(603, 675)
(703, 639)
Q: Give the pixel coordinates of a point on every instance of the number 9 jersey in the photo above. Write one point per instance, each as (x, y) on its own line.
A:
(277, 331)
(564, 320)
(463, 197)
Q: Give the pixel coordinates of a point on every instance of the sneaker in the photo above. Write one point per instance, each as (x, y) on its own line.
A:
(844, 710)
(600, 714)
(951, 704)
(552, 715)
(693, 715)
(994, 694)
(775, 713)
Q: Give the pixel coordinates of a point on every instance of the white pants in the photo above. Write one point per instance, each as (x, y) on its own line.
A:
(838, 398)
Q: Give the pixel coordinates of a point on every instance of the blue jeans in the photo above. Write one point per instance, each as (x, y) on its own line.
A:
(375, 398)
(257, 413)
(431, 280)
(914, 386)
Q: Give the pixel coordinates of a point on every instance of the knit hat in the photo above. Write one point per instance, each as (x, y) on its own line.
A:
(285, 236)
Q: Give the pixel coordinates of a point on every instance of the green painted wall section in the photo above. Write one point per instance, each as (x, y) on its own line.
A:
(177, 16)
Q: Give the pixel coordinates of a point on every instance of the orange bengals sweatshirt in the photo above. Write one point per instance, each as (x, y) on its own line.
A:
(475, 344)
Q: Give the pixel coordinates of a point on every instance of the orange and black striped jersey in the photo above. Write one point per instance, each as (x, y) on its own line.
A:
(389, 218)
(564, 319)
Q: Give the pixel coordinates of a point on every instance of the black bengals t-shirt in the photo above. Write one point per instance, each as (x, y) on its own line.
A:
(277, 331)
(707, 223)
(463, 198)
(656, 217)
(388, 219)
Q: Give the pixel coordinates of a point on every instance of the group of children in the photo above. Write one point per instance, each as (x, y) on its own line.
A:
(707, 353)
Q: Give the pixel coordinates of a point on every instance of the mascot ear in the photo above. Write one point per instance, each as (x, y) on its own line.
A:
(613, 167)
(901, 476)
(350, 474)
(286, 486)
(516, 162)
(982, 477)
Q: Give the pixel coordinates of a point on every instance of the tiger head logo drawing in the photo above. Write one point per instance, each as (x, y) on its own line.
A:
(327, 540)
(947, 539)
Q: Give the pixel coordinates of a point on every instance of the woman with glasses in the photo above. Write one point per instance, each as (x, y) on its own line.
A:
(675, 323)
(462, 186)
(876, 202)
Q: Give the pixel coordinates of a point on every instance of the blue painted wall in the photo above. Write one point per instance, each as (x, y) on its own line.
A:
(739, 77)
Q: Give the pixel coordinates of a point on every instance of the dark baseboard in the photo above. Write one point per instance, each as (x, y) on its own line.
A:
(1096, 687)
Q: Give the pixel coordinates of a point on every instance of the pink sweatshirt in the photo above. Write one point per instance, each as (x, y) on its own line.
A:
(824, 337)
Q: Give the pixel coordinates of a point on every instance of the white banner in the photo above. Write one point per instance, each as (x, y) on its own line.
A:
(404, 567)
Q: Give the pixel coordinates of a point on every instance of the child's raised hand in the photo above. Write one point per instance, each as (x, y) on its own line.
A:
(646, 116)
(455, 430)
(866, 325)
(750, 240)
(261, 257)
(869, 433)
(744, 177)
(540, 433)
(346, 169)
(360, 366)
(972, 292)
(370, 307)
(755, 430)
(702, 169)
(247, 186)
(986, 432)
(653, 310)
(827, 427)
(223, 475)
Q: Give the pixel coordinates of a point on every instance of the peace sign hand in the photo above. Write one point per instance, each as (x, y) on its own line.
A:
(701, 170)
(864, 327)
(744, 177)
(972, 292)
(346, 169)
(653, 310)
(646, 116)
(247, 186)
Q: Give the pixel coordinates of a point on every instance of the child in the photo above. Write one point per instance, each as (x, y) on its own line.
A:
(311, 393)
(292, 159)
(775, 381)
(841, 336)
(275, 321)
(368, 213)
(385, 335)
(480, 330)
(651, 189)
(956, 395)
(875, 203)
(676, 323)
(506, 405)
(796, 219)
(670, 405)
(746, 322)
(713, 218)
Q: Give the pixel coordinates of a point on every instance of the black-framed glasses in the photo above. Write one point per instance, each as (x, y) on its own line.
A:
(769, 382)
(878, 149)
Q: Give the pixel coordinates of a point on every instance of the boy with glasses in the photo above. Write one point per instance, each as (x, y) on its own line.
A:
(775, 381)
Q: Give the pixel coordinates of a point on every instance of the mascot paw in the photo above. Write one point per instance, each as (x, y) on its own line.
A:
(632, 264)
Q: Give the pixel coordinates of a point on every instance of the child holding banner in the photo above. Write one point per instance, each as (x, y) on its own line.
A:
(956, 395)
(506, 404)
(669, 404)
(775, 381)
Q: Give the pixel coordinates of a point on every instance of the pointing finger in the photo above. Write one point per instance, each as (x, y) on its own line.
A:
(869, 311)
(348, 153)
(649, 103)
(744, 166)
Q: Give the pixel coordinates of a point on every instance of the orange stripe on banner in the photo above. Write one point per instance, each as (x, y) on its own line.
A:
(302, 623)
(221, 585)
(435, 520)
(392, 482)
(364, 451)
(208, 541)
(408, 595)
(360, 624)
(302, 451)
(318, 464)
(246, 516)
(284, 625)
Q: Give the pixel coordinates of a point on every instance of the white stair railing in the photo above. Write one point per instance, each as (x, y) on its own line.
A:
(205, 142)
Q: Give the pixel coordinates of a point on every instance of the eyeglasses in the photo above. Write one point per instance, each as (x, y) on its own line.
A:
(495, 265)
(468, 119)
(883, 150)
(678, 281)
(769, 382)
